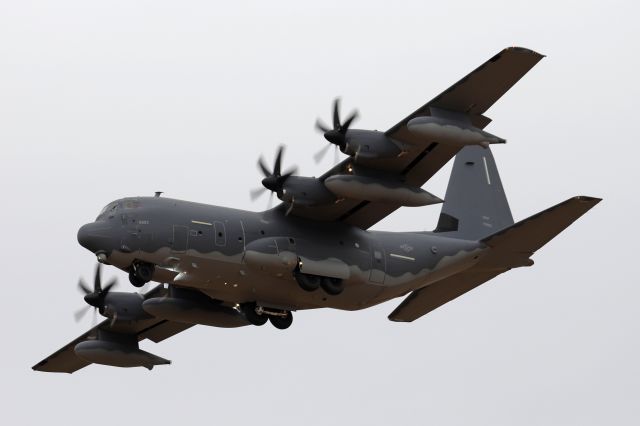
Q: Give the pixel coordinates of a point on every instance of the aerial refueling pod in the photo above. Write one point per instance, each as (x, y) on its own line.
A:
(379, 190)
(117, 350)
(454, 132)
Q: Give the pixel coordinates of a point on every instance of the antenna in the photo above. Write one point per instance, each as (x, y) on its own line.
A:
(158, 193)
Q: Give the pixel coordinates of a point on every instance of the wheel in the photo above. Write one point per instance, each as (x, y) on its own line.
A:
(282, 323)
(252, 316)
(307, 282)
(144, 271)
(134, 280)
(332, 286)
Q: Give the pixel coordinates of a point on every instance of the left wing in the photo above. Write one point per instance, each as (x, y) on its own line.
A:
(65, 360)
(471, 97)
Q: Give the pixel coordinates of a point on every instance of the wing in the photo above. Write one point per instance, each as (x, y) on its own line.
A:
(472, 95)
(66, 361)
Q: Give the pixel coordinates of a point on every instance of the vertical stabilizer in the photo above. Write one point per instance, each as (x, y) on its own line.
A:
(475, 204)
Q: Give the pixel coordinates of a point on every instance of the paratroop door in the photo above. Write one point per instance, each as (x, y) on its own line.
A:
(180, 238)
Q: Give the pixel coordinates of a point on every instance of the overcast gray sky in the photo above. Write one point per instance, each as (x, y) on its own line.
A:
(100, 100)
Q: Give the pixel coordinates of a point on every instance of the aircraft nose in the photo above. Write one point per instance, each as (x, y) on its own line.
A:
(94, 237)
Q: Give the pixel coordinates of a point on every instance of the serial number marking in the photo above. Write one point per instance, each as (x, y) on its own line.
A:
(399, 256)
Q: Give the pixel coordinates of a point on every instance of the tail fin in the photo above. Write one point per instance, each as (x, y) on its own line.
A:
(475, 204)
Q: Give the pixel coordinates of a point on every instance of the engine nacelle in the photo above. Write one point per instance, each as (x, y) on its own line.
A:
(370, 145)
(305, 191)
(124, 306)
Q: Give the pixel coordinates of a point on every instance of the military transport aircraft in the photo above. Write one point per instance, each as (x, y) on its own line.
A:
(231, 268)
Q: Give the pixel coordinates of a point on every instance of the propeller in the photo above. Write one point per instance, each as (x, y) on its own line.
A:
(95, 297)
(273, 179)
(337, 134)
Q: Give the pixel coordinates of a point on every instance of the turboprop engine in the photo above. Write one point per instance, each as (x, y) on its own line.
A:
(359, 144)
(299, 190)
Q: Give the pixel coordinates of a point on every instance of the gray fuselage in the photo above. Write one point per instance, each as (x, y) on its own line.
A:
(239, 256)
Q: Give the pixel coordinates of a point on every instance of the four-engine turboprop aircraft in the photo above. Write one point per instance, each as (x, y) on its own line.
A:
(231, 268)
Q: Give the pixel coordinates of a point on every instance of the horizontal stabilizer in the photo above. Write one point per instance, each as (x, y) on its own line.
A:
(509, 248)
(528, 235)
(425, 300)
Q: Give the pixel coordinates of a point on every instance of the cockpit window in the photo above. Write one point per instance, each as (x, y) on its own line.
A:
(131, 204)
(108, 210)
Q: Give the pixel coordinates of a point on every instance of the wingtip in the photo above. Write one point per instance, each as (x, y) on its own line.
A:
(587, 199)
(525, 50)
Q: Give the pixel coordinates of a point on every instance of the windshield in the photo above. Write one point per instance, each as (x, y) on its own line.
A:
(109, 210)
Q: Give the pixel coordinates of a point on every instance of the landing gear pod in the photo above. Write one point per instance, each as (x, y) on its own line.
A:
(194, 312)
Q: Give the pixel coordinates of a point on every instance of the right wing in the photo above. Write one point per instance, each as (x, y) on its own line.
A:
(65, 359)
(472, 95)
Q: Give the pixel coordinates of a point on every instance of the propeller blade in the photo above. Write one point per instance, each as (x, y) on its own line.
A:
(113, 319)
(94, 322)
(336, 114)
(96, 279)
(278, 163)
(318, 156)
(321, 126)
(109, 285)
(353, 116)
(83, 286)
(80, 313)
(255, 193)
(263, 168)
(290, 172)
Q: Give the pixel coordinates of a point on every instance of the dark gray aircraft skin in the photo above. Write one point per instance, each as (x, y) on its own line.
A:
(225, 267)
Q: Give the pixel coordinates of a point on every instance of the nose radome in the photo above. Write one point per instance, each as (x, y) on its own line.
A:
(94, 236)
(83, 236)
